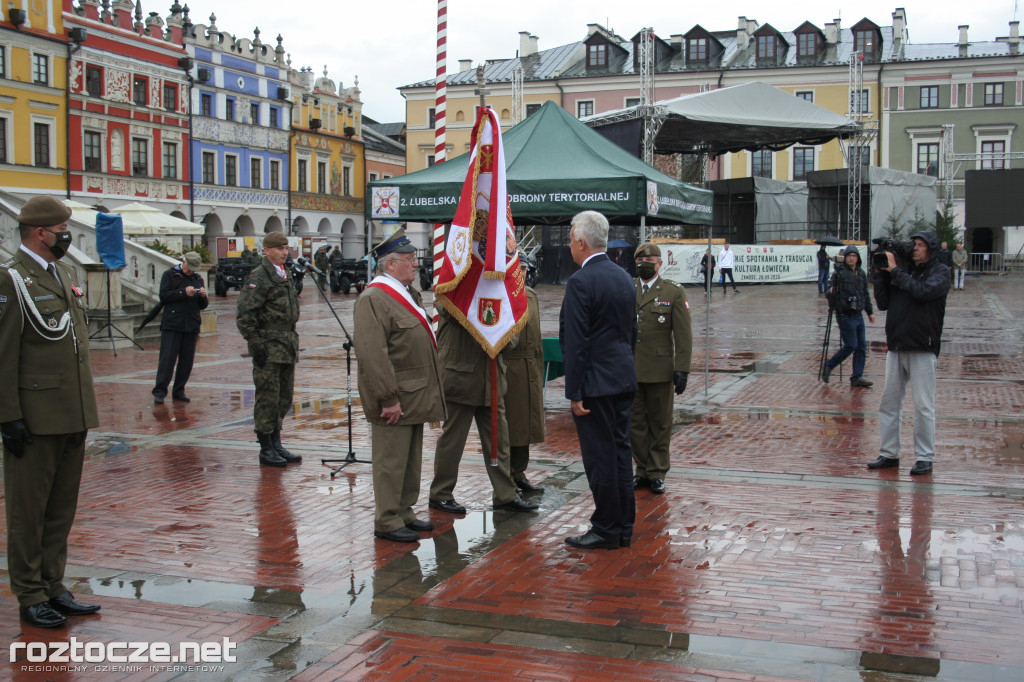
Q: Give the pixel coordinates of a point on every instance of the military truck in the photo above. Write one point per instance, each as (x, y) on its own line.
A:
(346, 273)
(230, 274)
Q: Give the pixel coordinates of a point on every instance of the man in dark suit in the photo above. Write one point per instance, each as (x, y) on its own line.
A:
(597, 332)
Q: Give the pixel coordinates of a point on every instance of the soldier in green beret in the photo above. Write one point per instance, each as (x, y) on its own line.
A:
(664, 345)
(46, 410)
(268, 311)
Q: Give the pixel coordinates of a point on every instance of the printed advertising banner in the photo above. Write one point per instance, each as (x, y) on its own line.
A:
(755, 264)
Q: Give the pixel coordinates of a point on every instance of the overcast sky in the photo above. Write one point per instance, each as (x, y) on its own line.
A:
(390, 43)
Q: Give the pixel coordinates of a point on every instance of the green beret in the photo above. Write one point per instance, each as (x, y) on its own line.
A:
(273, 239)
(43, 211)
(647, 249)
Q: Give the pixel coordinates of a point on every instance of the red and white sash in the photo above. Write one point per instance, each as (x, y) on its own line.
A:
(401, 295)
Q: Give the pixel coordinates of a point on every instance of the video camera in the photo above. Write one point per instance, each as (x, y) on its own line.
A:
(902, 249)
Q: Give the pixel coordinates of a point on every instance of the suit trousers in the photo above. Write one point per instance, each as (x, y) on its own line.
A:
(652, 428)
(519, 459)
(916, 369)
(608, 463)
(274, 384)
(175, 347)
(41, 495)
(452, 443)
(397, 463)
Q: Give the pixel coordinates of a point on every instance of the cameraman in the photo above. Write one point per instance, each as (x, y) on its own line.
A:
(848, 294)
(914, 294)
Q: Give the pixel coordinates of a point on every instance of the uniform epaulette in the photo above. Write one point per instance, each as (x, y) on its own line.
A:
(9, 263)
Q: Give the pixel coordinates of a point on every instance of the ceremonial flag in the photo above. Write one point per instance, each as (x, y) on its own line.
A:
(480, 282)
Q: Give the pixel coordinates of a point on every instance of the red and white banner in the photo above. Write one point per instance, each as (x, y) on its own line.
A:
(479, 281)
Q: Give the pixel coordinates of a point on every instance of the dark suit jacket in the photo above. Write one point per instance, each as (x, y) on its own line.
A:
(597, 331)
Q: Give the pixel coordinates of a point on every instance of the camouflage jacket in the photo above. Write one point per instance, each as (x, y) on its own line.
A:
(267, 313)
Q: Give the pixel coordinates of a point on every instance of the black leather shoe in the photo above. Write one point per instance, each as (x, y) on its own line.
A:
(863, 383)
(275, 440)
(420, 526)
(182, 398)
(625, 541)
(69, 606)
(528, 487)
(592, 541)
(826, 372)
(158, 400)
(516, 504)
(921, 467)
(41, 615)
(400, 535)
(450, 506)
(884, 462)
(641, 482)
(657, 486)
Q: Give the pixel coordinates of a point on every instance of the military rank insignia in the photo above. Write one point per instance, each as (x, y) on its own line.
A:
(78, 290)
(252, 286)
(28, 281)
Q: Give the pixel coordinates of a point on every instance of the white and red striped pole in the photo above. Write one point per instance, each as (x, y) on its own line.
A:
(440, 94)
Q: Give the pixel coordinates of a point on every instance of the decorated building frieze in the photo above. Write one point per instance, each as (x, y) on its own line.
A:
(239, 196)
(229, 132)
(326, 202)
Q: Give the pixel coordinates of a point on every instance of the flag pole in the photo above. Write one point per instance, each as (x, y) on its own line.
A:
(440, 98)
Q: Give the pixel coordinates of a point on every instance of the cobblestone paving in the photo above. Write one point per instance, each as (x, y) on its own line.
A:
(774, 555)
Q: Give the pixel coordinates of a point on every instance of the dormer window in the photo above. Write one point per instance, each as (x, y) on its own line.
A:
(697, 49)
(806, 45)
(864, 41)
(597, 55)
(766, 48)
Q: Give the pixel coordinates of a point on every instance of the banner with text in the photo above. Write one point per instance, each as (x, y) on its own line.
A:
(755, 264)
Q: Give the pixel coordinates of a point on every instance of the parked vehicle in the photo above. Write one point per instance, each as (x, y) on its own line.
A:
(347, 273)
(230, 274)
(298, 274)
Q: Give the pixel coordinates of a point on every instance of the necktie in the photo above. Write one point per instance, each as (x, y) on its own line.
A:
(52, 268)
(646, 288)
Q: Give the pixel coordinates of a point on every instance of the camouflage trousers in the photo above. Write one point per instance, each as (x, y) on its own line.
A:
(274, 382)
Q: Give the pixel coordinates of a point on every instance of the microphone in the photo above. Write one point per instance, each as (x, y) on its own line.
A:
(309, 266)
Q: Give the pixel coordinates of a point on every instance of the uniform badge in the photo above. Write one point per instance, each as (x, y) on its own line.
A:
(687, 304)
(661, 319)
(52, 323)
(3, 299)
(78, 291)
(252, 286)
(28, 281)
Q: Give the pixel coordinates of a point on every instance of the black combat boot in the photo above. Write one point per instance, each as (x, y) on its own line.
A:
(268, 455)
(275, 440)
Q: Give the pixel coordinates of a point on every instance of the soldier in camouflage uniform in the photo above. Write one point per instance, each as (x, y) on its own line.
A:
(268, 310)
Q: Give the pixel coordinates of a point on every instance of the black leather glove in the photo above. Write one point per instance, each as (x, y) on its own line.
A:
(259, 356)
(15, 436)
(680, 380)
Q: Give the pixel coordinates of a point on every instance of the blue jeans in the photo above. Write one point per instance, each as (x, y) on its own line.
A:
(852, 331)
(822, 280)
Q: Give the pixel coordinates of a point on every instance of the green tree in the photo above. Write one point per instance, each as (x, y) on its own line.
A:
(945, 226)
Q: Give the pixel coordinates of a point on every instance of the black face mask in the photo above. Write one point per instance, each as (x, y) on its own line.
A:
(60, 247)
(645, 270)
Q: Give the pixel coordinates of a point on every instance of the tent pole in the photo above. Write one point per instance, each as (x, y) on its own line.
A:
(643, 229)
(707, 325)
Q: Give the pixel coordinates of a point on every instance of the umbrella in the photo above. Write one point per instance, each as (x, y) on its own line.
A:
(829, 240)
(83, 213)
(619, 244)
(143, 219)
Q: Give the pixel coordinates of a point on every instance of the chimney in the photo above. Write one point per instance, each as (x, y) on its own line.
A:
(742, 35)
(962, 41)
(524, 43)
(677, 41)
(465, 64)
(534, 48)
(899, 25)
(592, 29)
(831, 33)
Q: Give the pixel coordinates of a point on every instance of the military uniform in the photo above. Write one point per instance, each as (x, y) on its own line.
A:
(44, 359)
(320, 261)
(524, 396)
(397, 365)
(268, 310)
(663, 346)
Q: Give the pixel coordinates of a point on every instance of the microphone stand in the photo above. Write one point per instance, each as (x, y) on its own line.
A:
(350, 456)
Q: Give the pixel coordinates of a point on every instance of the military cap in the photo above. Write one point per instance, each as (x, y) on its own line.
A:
(43, 211)
(647, 249)
(274, 239)
(193, 260)
(396, 243)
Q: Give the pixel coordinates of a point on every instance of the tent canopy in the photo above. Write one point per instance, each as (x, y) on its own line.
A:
(143, 219)
(742, 117)
(555, 168)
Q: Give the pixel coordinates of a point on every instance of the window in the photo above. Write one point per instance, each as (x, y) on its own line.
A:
(993, 154)
(275, 174)
(229, 109)
(806, 45)
(766, 47)
(806, 95)
(254, 113)
(3, 139)
(170, 97)
(761, 164)
(94, 81)
(273, 117)
(209, 168)
(140, 157)
(93, 147)
(373, 176)
(205, 104)
(930, 97)
(139, 86)
(865, 155)
(303, 169)
(41, 143)
(170, 160)
(346, 181)
(40, 69)
(230, 170)
(860, 102)
(632, 102)
(864, 41)
(431, 160)
(321, 178)
(928, 159)
(256, 172)
(697, 50)
(993, 94)
(3, 62)
(803, 162)
(597, 55)
(584, 108)
(431, 117)
(531, 109)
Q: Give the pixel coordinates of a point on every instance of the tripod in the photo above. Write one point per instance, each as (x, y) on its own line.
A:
(825, 342)
(350, 456)
(110, 328)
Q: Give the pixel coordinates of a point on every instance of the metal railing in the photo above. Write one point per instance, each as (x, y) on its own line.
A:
(995, 263)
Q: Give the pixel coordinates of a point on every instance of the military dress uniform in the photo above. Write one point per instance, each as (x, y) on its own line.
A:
(44, 359)
(268, 311)
(524, 395)
(663, 346)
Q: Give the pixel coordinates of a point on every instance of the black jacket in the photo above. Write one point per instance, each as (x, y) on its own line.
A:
(181, 311)
(915, 298)
(848, 291)
(823, 259)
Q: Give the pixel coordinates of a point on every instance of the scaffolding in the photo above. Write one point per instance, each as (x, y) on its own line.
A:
(951, 161)
(858, 146)
(652, 121)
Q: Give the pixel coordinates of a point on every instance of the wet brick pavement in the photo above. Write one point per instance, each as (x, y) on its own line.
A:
(774, 555)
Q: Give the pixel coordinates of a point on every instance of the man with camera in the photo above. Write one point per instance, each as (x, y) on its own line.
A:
(914, 294)
(848, 295)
